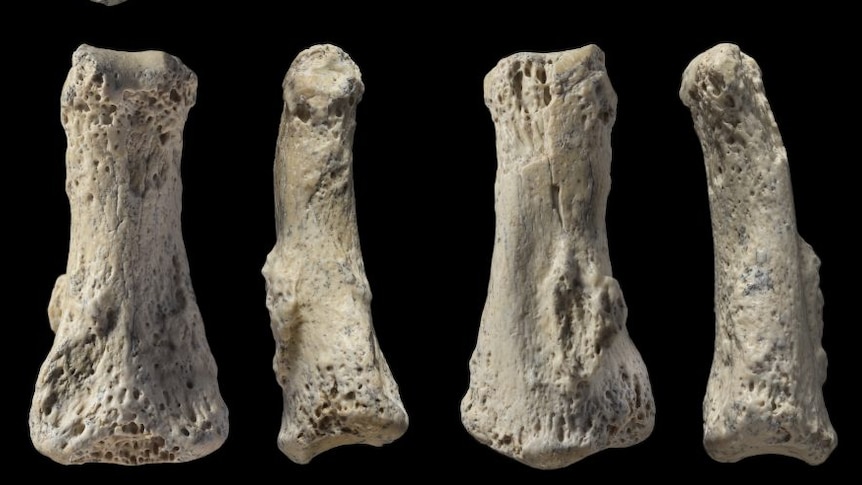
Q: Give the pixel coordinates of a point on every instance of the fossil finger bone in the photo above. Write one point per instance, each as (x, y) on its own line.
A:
(130, 378)
(554, 376)
(764, 393)
(338, 388)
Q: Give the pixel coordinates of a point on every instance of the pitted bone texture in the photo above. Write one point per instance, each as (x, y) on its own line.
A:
(554, 376)
(338, 388)
(764, 391)
(130, 378)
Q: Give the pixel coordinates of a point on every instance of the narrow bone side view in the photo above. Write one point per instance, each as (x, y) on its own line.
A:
(764, 394)
(338, 388)
(554, 376)
(130, 378)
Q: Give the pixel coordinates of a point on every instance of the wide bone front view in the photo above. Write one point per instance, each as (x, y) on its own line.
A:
(764, 393)
(130, 378)
(554, 377)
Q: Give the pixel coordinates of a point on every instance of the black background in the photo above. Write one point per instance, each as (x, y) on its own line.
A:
(425, 163)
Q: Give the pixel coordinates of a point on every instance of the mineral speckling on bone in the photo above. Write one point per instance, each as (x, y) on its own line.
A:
(130, 378)
(764, 394)
(554, 376)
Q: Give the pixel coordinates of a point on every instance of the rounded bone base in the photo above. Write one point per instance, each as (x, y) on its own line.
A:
(338, 430)
(554, 430)
(127, 443)
(549, 453)
(108, 418)
(812, 445)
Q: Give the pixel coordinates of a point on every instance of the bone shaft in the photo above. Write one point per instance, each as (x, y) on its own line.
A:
(102, 176)
(321, 200)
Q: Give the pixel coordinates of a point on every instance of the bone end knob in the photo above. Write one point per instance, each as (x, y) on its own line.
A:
(764, 394)
(338, 388)
(130, 378)
(554, 377)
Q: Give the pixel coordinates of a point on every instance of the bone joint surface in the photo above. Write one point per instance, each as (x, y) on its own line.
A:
(338, 388)
(764, 394)
(554, 376)
(130, 378)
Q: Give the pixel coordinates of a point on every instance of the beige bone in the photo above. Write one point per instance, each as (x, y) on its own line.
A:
(130, 378)
(764, 392)
(555, 376)
(338, 388)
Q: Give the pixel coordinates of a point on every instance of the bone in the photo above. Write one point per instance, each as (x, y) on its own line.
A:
(764, 394)
(130, 378)
(554, 377)
(338, 388)
(109, 3)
